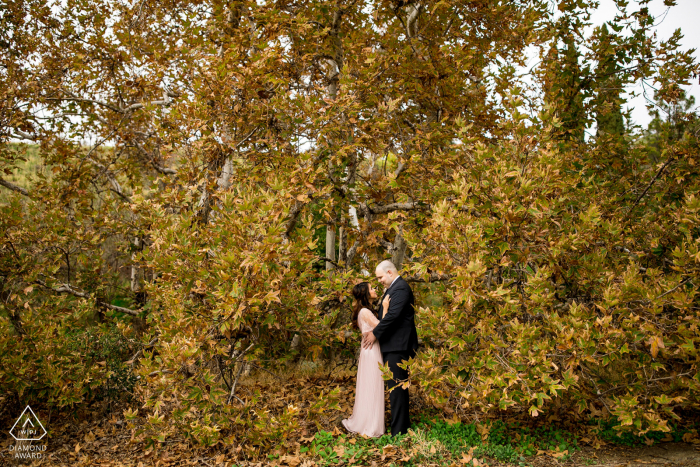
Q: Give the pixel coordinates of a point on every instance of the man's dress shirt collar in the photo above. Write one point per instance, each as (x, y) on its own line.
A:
(392, 282)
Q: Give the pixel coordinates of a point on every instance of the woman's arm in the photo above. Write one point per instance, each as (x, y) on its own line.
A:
(368, 318)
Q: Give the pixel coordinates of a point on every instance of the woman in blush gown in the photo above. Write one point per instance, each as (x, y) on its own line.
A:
(368, 412)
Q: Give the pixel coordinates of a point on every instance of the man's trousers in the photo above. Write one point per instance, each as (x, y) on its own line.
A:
(398, 398)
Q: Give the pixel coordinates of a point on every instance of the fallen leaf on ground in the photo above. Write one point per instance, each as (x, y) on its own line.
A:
(291, 460)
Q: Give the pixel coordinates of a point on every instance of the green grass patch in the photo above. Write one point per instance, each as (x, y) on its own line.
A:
(609, 431)
(431, 441)
(437, 442)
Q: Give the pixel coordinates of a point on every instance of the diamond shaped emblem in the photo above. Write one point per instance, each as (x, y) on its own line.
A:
(28, 427)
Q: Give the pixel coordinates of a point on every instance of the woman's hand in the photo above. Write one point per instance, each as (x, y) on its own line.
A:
(385, 303)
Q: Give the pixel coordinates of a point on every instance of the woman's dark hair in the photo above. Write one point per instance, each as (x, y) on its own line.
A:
(362, 300)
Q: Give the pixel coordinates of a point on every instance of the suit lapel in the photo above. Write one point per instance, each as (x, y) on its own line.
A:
(386, 292)
(381, 306)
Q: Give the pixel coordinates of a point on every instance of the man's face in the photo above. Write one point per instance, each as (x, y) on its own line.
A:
(384, 278)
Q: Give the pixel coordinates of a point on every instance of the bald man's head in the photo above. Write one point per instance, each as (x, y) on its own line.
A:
(386, 272)
(386, 266)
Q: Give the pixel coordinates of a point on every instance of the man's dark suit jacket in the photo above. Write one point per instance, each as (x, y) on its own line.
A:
(396, 331)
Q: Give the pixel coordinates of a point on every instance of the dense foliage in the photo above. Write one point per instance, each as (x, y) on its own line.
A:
(218, 174)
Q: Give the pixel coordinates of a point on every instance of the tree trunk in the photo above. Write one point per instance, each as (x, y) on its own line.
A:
(330, 246)
(224, 181)
(399, 251)
(136, 270)
(137, 276)
(334, 66)
(343, 242)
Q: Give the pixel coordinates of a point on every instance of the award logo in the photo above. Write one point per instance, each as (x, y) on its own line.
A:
(28, 428)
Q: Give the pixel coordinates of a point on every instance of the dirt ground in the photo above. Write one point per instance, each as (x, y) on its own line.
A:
(666, 454)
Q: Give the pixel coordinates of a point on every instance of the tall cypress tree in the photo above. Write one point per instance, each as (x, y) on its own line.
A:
(608, 100)
(563, 86)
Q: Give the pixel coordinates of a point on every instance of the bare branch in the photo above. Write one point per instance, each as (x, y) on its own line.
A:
(673, 289)
(651, 183)
(161, 169)
(294, 214)
(328, 260)
(399, 248)
(13, 187)
(398, 207)
(293, 217)
(387, 245)
(89, 101)
(140, 351)
(399, 169)
(246, 137)
(411, 28)
(23, 135)
(352, 252)
(164, 102)
(122, 195)
(72, 98)
(240, 370)
(116, 187)
(66, 288)
(432, 277)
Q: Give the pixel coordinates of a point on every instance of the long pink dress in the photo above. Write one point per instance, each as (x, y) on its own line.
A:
(368, 412)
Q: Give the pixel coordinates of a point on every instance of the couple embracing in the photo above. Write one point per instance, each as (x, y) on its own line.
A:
(388, 337)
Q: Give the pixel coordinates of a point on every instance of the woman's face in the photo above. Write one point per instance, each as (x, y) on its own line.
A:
(372, 293)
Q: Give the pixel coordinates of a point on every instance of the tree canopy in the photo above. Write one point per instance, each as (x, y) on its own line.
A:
(219, 174)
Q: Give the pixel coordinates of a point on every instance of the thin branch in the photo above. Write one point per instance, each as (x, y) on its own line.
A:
(668, 377)
(408, 33)
(330, 261)
(293, 217)
(265, 370)
(24, 135)
(294, 214)
(653, 180)
(398, 207)
(13, 187)
(164, 102)
(238, 375)
(66, 288)
(388, 246)
(122, 195)
(163, 170)
(246, 137)
(132, 360)
(352, 252)
(432, 277)
(669, 291)
(116, 187)
(89, 101)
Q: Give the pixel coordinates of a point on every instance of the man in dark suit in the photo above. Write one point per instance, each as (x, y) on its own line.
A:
(398, 339)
